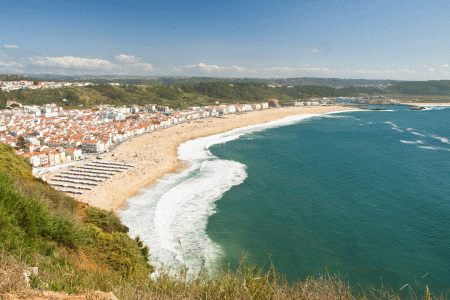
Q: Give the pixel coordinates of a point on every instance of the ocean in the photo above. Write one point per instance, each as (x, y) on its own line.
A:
(363, 194)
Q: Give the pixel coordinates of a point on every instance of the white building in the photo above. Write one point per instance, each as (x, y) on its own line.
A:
(93, 147)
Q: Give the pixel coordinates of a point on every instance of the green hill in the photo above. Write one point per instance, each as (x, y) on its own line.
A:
(179, 95)
(160, 80)
(42, 227)
(430, 88)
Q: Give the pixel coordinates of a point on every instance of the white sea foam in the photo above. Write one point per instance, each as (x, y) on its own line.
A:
(336, 117)
(394, 126)
(412, 142)
(419, 134)
(442, 139)
(436, 107)
(171, 217)
(434, 148)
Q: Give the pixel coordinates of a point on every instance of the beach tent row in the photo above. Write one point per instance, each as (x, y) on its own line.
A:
(78, 177)
(90, 167)
(90, 174)
(113, 163)
(80, 187)
(92, 171)
(69, 191)
(74, 181)
(111, 168)
(87, 174)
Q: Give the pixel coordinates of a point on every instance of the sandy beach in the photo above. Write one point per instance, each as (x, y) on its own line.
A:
(155, 154)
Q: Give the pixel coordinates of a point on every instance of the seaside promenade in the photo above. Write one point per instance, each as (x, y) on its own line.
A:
(155, 154)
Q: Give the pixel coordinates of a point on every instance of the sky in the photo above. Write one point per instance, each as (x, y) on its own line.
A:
(370, 39)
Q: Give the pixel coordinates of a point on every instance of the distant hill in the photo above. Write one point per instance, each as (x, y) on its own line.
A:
(180, 92)
(433, 87)
(180, 95)
(13, 77)
(137, 80)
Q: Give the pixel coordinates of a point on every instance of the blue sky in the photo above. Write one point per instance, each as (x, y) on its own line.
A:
(373, 39)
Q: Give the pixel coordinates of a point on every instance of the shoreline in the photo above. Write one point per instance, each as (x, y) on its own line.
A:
(424, 104)
(156, 154)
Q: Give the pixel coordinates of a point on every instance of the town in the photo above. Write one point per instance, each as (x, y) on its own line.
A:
(50, 135)
(36, 85)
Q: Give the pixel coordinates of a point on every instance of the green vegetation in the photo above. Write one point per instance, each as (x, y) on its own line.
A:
(3, 100)
(13, 77)
(21, 142)
(198, 91)
(130, 80)
(81, 249)
(176, 96)
(429, 88)
(42, 227)
(13, 164)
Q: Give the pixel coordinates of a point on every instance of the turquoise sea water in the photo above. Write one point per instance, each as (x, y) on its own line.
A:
(361, 193)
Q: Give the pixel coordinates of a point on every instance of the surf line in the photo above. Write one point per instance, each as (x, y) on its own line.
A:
(171, 217)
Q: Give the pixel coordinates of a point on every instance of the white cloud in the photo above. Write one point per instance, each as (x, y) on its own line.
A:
(202, 68)
(431, 69)
(11, 64)
(70, 62)
(144, 66)
(318, 50)
(210, 68)
(10, 46)
(239, 69)
(306, 70)
(128, 59)
(446, 66)
(4, 55)
(7, 64)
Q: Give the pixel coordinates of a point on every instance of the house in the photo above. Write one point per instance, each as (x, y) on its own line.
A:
(94, 146)
(35, 159)
(74, 154)
(295, 103)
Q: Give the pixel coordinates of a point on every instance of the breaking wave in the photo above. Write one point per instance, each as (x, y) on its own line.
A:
(412, 142)
(171, 217)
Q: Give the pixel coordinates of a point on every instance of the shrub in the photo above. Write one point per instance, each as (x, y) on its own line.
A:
(27, 221)
(105, 220)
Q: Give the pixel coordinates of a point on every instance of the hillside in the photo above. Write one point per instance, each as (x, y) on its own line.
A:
(178, 96)
(181, 93)
(136, 80)
(75, 247)
(431, 88)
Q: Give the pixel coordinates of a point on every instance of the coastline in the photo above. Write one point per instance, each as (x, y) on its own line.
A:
(156, 154)
(424, 104)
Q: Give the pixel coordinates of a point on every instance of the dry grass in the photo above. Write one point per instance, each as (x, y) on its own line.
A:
(247, 282)
(11, 274)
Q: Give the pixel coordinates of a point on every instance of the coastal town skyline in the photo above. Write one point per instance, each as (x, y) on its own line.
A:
(343, 39)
